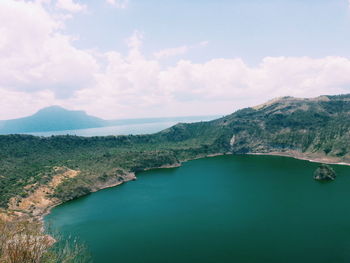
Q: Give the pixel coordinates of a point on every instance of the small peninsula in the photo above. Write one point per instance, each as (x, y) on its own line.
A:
(324, 173)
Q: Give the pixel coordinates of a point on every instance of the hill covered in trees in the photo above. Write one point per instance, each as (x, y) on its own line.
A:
(315, 128)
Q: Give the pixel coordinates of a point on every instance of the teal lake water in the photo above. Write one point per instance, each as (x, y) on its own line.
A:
(221, 209)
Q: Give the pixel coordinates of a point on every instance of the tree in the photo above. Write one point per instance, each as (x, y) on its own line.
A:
(324, 172)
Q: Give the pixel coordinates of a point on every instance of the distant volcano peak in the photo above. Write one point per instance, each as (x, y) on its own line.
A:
(52, 118)
(53, 108)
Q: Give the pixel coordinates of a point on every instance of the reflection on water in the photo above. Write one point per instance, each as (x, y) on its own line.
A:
(113, 130)
(143, 127)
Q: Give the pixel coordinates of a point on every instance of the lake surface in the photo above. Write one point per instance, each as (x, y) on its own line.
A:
(143, 128)
(131, 126)
(221, 209)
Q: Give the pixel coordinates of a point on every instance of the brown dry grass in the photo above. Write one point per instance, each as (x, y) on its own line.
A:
(24, 242)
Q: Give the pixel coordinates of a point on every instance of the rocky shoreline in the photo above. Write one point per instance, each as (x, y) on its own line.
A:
(290, 154)
(38, 211)
(108, 184)
(130, 176)
(315, 158)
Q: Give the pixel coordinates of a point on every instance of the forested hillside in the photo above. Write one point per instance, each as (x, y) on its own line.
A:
(315, 128)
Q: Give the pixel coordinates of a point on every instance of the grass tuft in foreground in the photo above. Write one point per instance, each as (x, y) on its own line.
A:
(25, 242)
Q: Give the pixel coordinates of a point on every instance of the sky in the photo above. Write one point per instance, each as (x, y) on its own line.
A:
(159, 58)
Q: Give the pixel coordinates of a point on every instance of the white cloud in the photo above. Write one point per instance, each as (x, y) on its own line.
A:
(70, 6)
(40, 66)
(118, 3)
(204, 43)
(134, 44)
(16, 104)
(35, 55)
(171, 52)
(140, 87)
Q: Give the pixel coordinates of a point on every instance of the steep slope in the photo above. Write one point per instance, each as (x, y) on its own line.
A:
(315, 128)
(51, 119)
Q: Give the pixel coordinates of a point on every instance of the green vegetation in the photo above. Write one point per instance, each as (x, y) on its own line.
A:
(324, 173)
(27, 159)
(317, 126)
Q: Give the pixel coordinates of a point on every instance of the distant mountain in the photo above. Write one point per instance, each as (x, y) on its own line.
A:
(52, 118)
(56, 118)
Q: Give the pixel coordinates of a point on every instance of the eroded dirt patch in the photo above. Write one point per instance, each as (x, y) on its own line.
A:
(40, 199)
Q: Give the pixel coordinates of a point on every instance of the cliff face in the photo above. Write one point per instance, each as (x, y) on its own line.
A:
(307, 127)
(304, 128)
(39, 197)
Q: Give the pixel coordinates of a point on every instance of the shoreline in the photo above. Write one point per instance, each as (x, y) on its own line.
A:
(14, 214)
(131, 176)
(300, 156)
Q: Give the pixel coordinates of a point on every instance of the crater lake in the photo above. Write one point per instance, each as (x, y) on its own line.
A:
(231, 208)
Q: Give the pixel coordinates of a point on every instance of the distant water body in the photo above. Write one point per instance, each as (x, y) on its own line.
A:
(244, 209)
(141, 126)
